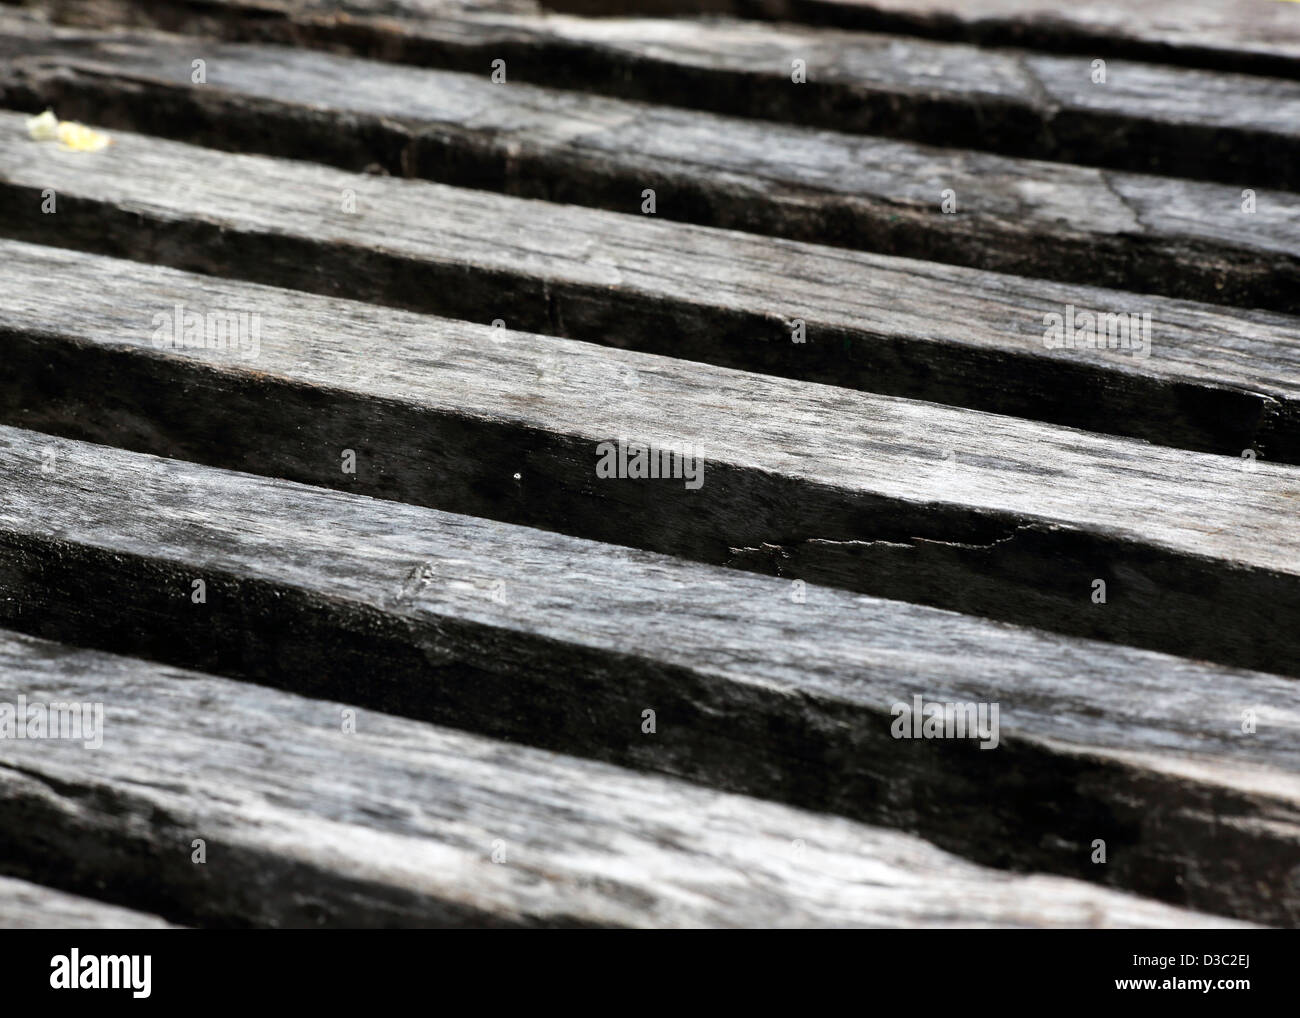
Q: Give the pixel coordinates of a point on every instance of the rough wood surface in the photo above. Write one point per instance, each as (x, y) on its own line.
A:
(534, 637)
(1238, 129)
(1215, 380)
(25, 906)
(968, 511)
(781, 687)
(1077, 224)
(397, 823)
(1256, 36)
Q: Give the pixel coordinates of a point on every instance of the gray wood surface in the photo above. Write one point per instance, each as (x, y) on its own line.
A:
(396, 823)
(1215, 380)
(1077, 224)
(533, 637)
(499, 586)
(1242, 130)
(1256, 36)
(1002, 517)
(26, 906)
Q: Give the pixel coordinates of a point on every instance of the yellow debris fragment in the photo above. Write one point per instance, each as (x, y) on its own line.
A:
(44, 127)
(75, 137)
(80, 138)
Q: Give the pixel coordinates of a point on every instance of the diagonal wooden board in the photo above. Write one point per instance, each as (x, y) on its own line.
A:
(993, 515)
(1255, 36)
(1186, 772)
(1175, 849)
(1076, 224)
(316, 813)
(1237, 129)
(1215, 380)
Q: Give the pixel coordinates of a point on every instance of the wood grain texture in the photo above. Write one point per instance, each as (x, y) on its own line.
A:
(1187, 771)
(206, 16)
(1075, 224)
(403, 824)
(1254, 36)
(534, 637)
(26, 906)
(1215, 381)
(997, 516)
(1236, 129)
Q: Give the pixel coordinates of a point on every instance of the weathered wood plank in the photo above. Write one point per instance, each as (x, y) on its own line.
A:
(25, 906)
(1162, 235)
(998, 516)
(564, 644)
(1238, 129)
(1214, 381)
(1254, 36)
(396, 823)
(207, 16)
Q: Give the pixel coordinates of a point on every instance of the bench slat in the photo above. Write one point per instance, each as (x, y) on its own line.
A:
(396, 823)
(534, 637)
(1077, 224)
(1255, 36)
(968, 511)
(1183, 770)
(1237, 129)
(1215, 381)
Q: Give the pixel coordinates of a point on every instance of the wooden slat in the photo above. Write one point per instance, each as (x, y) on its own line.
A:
(967, 511)
(520, 634)
(1215, 381)
(1165, 235)
(205, 17)
(398, 824)
(25, 906)
(1256, 36)
(1188, 772)
(1238, 129)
